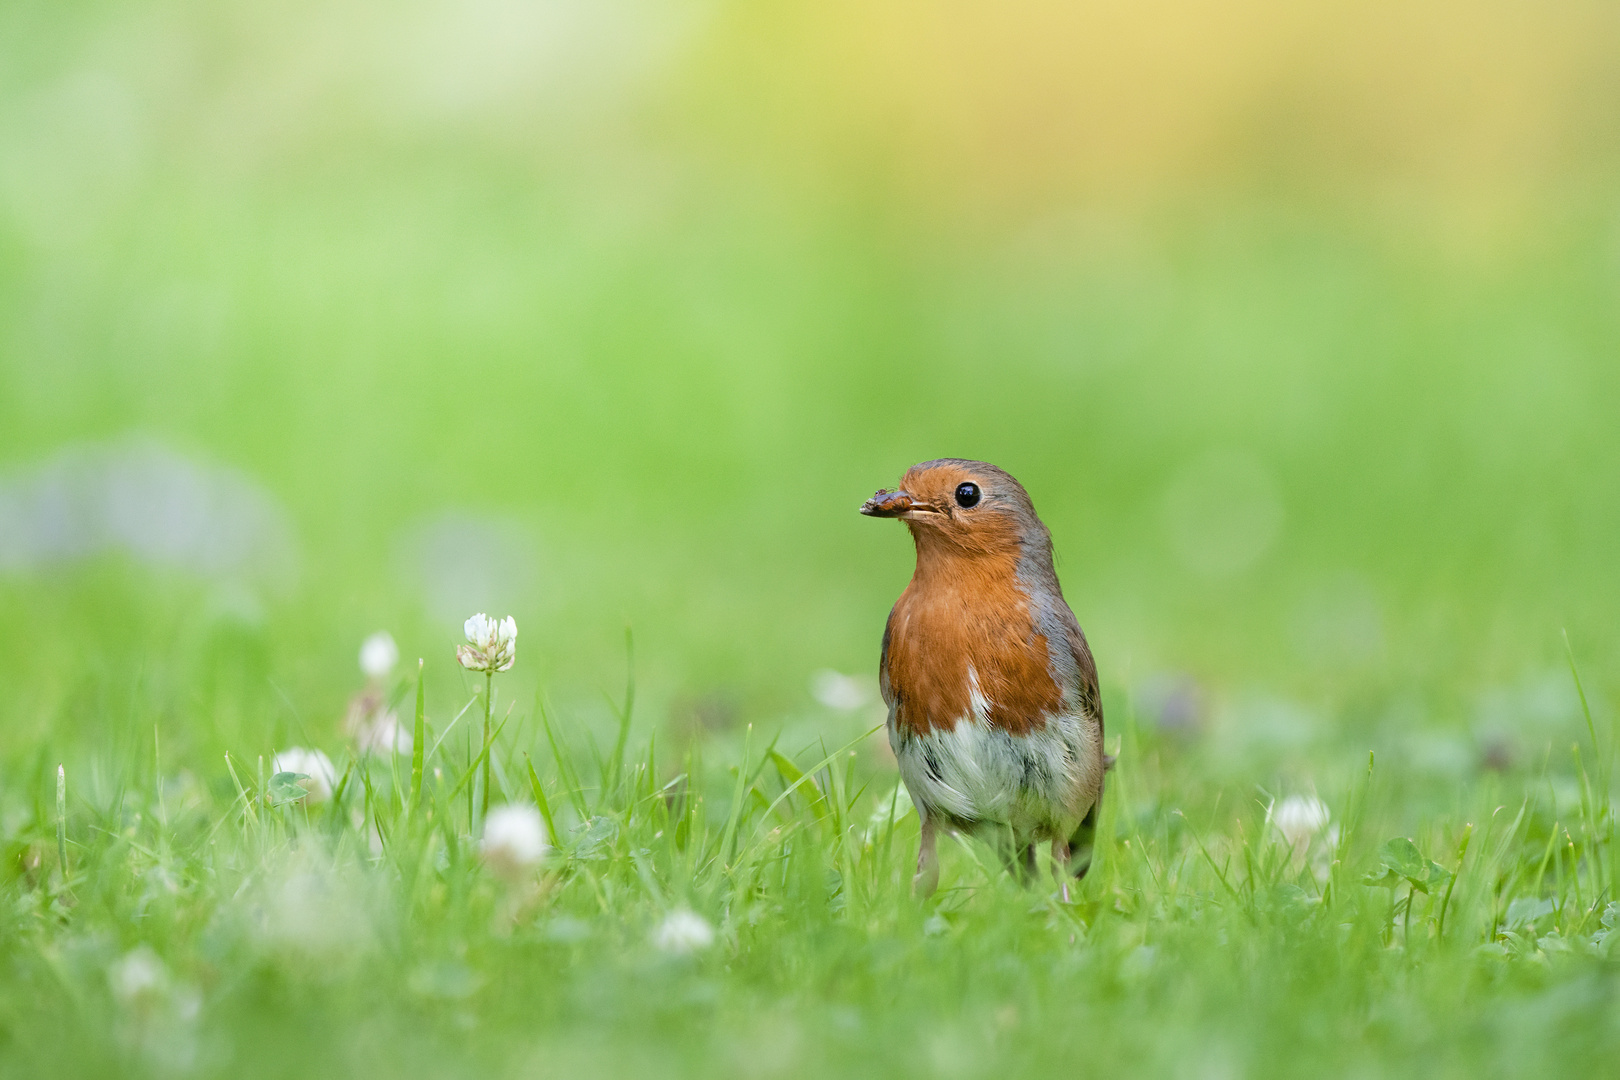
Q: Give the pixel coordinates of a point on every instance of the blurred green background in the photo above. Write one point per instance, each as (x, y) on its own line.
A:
(1300, 325)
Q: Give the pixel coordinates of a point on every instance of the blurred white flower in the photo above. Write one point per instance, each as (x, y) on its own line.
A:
(313, 764)
(384, 734)
(378, 655)
(138, 978)
(514, 841)
(313, 911)
(683, 932)
(1299, 818)
(159, 1012)
(374, 727)
(491, 645)
(838, 691)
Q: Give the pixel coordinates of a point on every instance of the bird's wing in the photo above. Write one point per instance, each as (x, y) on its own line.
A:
(1090, 695)
(884, 685)
(1086, 665)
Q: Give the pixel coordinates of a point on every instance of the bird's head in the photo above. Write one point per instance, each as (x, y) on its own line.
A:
(969, 506)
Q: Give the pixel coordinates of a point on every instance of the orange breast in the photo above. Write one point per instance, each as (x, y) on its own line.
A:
(968, 613)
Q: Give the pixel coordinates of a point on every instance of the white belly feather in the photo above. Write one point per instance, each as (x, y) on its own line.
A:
(976, 773)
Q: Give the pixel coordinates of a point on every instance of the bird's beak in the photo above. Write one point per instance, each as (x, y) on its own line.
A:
(888, 504)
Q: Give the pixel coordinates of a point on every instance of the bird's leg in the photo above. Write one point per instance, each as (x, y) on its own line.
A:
(1060, 865)
(1028, 864)
(927, 878)
(1082, 843)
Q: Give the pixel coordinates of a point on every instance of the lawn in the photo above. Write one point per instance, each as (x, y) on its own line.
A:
(318, 321)
(742, 906)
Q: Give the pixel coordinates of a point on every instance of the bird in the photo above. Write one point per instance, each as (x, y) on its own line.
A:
(994, 713)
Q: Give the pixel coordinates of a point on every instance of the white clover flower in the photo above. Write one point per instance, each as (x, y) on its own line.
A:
(384, 734)
(491, 645)
(313, 764)
(378, 655)
(683, 931)
(1299, 818)
(138, 977)
(514, 841)
(838, 691)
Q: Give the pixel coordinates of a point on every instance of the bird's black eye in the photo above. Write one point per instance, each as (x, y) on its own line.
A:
(967, 495)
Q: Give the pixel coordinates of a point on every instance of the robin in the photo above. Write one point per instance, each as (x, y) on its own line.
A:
(994, 713)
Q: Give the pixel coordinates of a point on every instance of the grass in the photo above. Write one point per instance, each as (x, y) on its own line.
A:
(205, 920)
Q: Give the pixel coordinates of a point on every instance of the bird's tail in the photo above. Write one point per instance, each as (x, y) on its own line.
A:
(1083, 841)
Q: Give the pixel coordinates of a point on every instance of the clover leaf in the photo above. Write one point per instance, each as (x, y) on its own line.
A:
(286, 787)
(1402, 861)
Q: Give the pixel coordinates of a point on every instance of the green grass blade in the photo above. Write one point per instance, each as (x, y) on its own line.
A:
(565, 768)
(621, 742)
(247, 800)
(1591, 728)
(1445, 902)
(540, 800)
(483, 755)
(418, 737)
(61, 822)
(735, 811)
(793, 777)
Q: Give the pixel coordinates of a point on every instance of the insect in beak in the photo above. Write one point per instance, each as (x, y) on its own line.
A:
(897, 504)
(888, 504)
